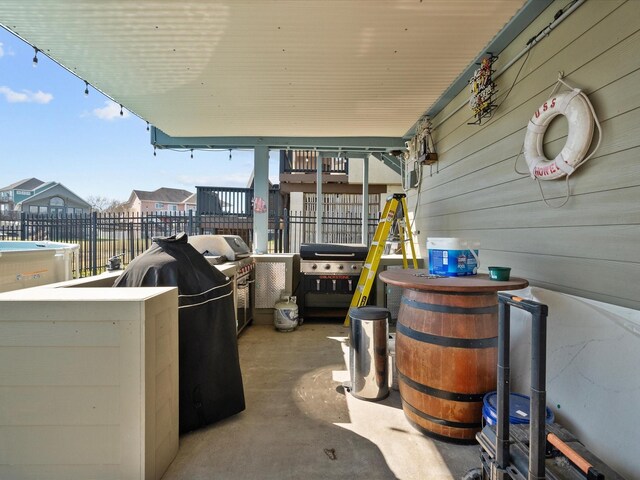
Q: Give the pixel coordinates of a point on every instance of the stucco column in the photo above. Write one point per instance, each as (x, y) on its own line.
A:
(260, 195)
(319, 204)
(365, 199)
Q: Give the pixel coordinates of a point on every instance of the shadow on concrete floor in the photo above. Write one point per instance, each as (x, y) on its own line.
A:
(299, 423)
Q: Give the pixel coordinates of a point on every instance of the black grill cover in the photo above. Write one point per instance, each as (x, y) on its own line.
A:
(210, 378)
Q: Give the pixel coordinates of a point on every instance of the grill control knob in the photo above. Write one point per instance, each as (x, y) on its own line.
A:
(314, 266)
(340, 267)
(354, 267)
(327, 266)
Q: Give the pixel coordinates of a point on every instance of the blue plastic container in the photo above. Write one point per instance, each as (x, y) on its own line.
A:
(453, 257)
(519, 412)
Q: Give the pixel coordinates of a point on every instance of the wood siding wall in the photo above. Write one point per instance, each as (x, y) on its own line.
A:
(591, 246)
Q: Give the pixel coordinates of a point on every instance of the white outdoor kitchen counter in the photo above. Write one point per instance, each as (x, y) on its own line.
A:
(229, 269)
(88, 382)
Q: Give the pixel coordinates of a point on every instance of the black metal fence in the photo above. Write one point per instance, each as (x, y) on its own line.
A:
(345, 228)
(103, 235)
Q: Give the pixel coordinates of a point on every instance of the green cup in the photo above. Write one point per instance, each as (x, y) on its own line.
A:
(499, 273)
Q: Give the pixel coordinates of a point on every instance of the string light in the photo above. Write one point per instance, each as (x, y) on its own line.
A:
(35, 57)
(229, 154)
(154, 150)
(147, 126)
(121, 112)
(86, 88)
(192, 153)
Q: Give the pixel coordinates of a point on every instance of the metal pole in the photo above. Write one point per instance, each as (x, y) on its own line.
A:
(502, 428)
(94, 243)
(537, 442)
(319, 203)
(287, 246)
(23, 226)
(365, 199)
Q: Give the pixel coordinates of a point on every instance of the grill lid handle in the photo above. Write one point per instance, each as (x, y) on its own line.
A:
(334, 254)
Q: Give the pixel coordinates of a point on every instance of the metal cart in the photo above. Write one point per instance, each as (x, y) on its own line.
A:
(535, 451)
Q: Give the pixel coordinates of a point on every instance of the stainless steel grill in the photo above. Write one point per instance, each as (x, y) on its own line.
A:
(329, 276)
(217, 249)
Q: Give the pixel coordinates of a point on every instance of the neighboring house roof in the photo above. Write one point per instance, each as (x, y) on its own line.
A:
(164, 194)
(50, 191)
(24, 184)
(190, 199)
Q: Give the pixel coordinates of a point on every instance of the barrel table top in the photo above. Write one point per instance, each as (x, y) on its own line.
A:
(421, 280)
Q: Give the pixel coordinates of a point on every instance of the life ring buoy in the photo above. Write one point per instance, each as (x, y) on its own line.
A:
(576, 107)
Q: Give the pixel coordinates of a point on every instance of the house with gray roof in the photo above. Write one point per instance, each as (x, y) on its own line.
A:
(162, 200)
(34, 196)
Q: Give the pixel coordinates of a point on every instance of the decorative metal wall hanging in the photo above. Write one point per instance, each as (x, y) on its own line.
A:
(483, 90)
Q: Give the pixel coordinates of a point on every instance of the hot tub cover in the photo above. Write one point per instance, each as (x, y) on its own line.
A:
(209, 368)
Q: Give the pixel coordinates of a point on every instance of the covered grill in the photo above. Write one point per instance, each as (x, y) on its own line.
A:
(222, 249)
(329, 276)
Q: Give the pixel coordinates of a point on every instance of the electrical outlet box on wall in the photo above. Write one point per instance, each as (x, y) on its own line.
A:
(413, 179)
(411, 175)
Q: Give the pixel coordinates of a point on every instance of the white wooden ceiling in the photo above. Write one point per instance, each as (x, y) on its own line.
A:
(290, 68)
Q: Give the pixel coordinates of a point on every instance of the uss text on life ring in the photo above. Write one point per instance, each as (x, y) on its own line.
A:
(576, 107)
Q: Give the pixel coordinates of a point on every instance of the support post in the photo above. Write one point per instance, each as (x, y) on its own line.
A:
(365, 199)
(319, 203)
(504, 390)
(261, 194)
(538, 402)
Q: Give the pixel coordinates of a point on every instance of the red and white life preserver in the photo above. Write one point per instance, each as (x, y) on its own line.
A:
(576, 107)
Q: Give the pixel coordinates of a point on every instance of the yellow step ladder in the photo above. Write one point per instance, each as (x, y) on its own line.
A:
(380, 238)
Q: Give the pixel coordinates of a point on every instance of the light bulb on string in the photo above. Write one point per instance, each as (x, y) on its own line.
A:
(121, 112)
(35, 57)
(229, 154)
(154, 150)
(192, 153)
(86, 88)
(147, 126)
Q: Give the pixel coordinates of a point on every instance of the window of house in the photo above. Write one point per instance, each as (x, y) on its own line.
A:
(56, 202)
(33, 209)
(159, 206)
(173, 208)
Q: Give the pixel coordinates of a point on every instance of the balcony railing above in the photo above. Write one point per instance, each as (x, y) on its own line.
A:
(306, 161)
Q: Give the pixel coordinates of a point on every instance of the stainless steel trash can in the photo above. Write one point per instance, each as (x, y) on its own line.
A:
(368, 356)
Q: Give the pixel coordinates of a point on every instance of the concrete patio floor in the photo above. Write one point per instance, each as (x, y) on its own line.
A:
(300, 424)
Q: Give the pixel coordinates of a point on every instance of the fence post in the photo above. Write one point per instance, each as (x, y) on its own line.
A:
(190, 222)
(23, 226)
(132, 241)
(94, 243)
(287, 246)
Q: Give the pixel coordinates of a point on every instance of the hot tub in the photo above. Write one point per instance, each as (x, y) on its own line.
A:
(29, 264)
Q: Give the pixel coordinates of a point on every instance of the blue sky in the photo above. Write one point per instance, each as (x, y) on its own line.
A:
(50, 130)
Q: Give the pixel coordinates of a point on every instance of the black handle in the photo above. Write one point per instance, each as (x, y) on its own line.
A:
(530, 306)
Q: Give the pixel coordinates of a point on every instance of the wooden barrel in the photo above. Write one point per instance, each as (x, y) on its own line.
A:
(446, 356)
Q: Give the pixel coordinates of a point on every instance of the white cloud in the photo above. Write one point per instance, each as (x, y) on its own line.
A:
(110, 111)
(26, 96)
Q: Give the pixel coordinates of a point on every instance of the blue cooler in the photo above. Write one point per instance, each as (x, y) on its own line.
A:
(519, 412)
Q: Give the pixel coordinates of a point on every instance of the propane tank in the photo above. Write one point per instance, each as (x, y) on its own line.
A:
(285, 315)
